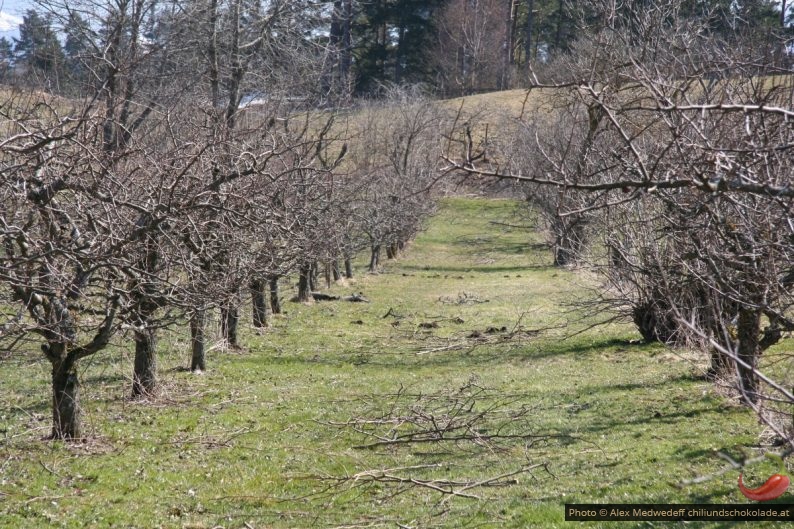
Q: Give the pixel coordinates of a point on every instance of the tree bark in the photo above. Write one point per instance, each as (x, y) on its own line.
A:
(374, 259)
(348, 268)
(568, 242)
(507, 45)
(335, 270)
(66, 413)
(144, 378)
(197, 343)
(304, 283)
(528, 29)
(748, 331)
(258, 303)
(558, 30)
(275, 302)
(719, 363)
(314, 273)
(230, 318)
(346, 51)
(330, 78)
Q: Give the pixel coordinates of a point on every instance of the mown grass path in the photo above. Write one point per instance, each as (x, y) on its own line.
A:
(267, 437)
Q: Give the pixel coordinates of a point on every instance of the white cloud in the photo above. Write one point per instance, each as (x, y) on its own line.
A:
(9, 22)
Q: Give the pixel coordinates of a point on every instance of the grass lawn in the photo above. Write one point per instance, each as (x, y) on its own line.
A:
(273, 436)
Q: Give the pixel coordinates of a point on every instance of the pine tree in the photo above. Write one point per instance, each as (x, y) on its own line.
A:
(38, 47)
(77, 48)
(6, 58)
(393, 42)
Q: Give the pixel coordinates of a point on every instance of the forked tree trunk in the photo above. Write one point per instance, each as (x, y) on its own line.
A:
(275, 302)
(258, 303)
(66, 413)
(197, 343)
(374, 258)
(144, 377)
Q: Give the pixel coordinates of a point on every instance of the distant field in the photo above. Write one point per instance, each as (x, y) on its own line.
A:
(271, 437)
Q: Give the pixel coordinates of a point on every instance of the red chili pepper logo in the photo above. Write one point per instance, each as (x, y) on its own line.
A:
(774, 487)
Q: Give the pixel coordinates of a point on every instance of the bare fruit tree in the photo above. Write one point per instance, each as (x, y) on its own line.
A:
(690, 170)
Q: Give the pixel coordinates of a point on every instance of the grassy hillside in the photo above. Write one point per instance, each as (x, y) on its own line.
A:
(465, 329)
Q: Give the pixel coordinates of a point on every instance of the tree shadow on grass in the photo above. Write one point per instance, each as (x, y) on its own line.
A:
(471, 355)
(480, 269)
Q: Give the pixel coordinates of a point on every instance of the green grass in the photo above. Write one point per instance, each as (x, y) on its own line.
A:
(250, 444)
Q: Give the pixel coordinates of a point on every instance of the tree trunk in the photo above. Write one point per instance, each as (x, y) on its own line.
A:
(230, 318)
(258, 303)
(507, 46)
(564, 250)
(719, 363)
(748, 331)
(528, 29)
(275, 303)
(558, 30)
(346, 51)
(144, 378)
(348, 268)
(390, 252)
(304, 284)
(327, 274)
(330, 77)
(568, 243)
(374, 259)
(314, 273)
(66, 415)
(335, 270)
(198, 358)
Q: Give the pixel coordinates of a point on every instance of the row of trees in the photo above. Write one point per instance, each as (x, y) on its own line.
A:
(662, 159)
(159, 196)
(453, 46)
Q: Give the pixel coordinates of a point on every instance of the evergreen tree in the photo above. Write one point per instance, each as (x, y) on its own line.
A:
(37, 46)
(77, 48)
(6, 58)
(393, 42)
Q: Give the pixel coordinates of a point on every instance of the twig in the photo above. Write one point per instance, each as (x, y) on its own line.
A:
(732, 465)
(446, 487)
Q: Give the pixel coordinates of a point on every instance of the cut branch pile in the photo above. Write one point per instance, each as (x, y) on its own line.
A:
(471, 414)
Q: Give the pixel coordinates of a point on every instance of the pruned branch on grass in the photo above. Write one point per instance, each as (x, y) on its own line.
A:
(403, 480)
(488, 336)
(471, 414)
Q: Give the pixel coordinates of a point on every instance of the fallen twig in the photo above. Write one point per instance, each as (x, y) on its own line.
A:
(446, 487)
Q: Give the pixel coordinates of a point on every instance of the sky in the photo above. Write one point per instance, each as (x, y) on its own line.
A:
(11, 12)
